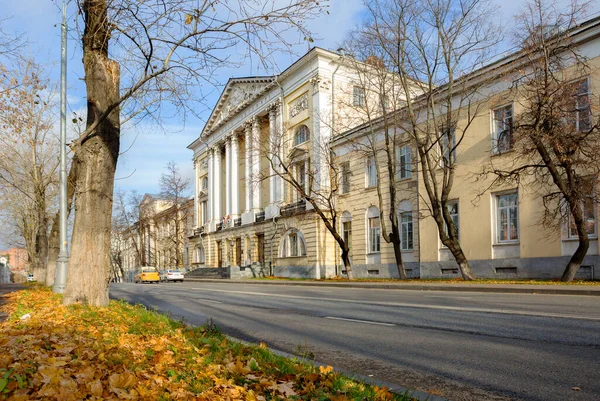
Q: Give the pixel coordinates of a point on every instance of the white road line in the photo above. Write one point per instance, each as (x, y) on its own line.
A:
(359, 321)
(407, 305)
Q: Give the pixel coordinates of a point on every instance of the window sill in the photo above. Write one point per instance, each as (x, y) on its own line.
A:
(370, 188)
(292, 257)
(407, 250)
(406, 179)
(373, 253)
(507, 243)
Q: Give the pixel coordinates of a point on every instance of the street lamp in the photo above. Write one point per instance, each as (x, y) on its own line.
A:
(60, 277)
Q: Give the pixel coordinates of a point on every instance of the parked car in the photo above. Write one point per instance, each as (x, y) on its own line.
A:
(172, 275)
(30, 277)
(147, 274)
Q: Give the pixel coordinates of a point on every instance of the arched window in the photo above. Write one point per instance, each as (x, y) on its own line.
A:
(200, 257)
(302, 135)
(373, 230)
(292, 244)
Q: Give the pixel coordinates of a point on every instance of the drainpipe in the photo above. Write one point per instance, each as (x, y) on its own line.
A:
(272, 238)
(342, 53)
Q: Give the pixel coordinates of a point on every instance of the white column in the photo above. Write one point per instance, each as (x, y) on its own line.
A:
(235, 181)
(217, 184)
(227, 176)
(211, 181)
(256, 184)
(196, 189)
(248, 141)
(273, 140)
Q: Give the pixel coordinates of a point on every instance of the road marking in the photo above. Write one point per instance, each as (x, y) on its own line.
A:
(209, 300)
(407, 305)
(359, 321)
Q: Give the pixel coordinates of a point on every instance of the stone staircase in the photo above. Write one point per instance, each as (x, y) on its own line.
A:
(209, 272)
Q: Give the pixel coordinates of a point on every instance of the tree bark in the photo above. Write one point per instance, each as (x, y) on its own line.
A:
(395, 240)
(96, 160)
(583, 246)
(347, 264)
(54, 238)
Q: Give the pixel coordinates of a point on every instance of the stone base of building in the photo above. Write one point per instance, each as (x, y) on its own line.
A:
(517, 268)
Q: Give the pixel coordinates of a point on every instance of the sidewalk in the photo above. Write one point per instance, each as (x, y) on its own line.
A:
(7, 288)
(592, 290)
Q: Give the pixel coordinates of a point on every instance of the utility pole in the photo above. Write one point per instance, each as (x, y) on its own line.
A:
(62, 263)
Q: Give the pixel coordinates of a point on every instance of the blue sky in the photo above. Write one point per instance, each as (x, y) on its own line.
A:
(146, 149)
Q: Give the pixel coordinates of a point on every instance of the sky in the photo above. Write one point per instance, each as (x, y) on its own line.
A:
(146, 149)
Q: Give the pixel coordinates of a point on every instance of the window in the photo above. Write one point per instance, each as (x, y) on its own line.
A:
(384, 103)
(502, 136)
(403, 164)
(507, 225)
(371, 173)
(581, 105)
(204, 212)
(588, 207)
(292, 244)
(406, 231)
(347, 228)
(301, 177)
(453, 211)
(374, 230)
(302, 135)
(345, 172)
(447, 151)
(359, 97)
(200, 257)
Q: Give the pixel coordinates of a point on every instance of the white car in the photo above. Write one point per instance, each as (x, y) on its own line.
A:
(30, 278)
(173, 275)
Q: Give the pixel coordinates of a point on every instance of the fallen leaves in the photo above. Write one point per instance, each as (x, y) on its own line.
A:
(125, 352)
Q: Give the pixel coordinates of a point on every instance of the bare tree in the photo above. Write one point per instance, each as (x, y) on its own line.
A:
(432, 46)
(374, 95)
(175, 189)
(162, 51)
(556, 134)
(305, 184)
(27, 156)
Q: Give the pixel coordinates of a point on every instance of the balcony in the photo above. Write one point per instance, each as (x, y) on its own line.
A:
(293, 208)
(260, 216)
(237, 222)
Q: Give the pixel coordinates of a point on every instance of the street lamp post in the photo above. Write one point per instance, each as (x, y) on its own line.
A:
(60, 278)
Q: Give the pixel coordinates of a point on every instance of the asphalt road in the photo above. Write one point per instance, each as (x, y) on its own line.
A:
(462, 346)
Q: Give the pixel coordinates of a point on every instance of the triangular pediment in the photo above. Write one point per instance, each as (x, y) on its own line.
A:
(238, 93)
(296, 154)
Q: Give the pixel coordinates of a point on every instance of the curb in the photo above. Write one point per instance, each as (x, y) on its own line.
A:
(418, 287)
(394, 388)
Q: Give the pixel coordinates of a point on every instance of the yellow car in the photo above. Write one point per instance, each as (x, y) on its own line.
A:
(147, 275)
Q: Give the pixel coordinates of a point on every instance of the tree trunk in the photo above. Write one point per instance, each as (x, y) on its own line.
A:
(580, 252)
(347, 264)
(96, 160)
(461, 259)
(395, 240)
(54, 239)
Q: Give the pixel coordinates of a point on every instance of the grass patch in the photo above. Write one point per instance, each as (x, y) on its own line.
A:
(127, 351)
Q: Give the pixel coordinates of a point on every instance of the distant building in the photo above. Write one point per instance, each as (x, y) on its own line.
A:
(18, 260)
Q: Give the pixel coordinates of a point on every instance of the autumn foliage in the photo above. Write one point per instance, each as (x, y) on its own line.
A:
(50, 351)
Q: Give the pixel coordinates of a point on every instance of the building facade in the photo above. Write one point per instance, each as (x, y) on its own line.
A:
(250, 220)
(499, 227)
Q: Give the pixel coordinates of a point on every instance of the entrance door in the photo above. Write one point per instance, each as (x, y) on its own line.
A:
(219, 254)
(260, 246)
(238, 251)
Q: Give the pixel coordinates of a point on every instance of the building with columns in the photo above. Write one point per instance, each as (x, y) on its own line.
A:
(246, 217)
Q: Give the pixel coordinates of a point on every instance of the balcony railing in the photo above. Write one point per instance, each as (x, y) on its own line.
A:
(237, 222)
(260, 216)
(219, 227)
(293, 208)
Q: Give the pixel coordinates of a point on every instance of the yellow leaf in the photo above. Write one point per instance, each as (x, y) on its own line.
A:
(188, 19)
